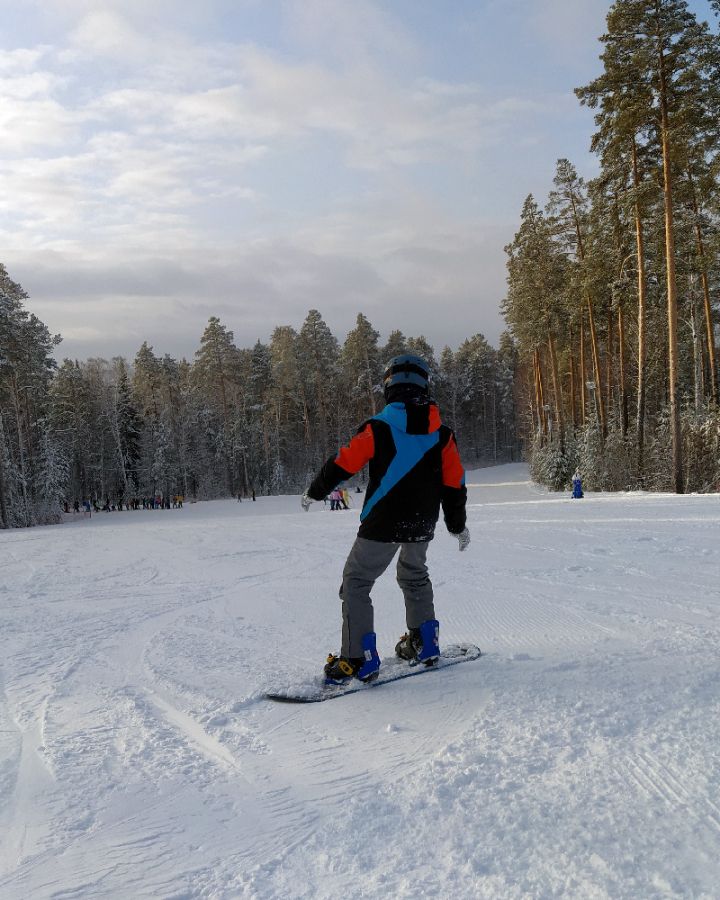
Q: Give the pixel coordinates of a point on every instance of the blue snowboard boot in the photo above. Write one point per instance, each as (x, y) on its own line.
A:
(339, 669)
(371, 661)
(420, 645)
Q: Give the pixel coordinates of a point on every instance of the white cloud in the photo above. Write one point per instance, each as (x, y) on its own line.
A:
(360, 33)
(150, 145)
(28, 124)
(20, 60)
(404, 264)
(151, 178)
(103, 32)
(30, 114)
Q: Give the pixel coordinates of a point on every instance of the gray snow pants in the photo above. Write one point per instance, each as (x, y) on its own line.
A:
(365, 564)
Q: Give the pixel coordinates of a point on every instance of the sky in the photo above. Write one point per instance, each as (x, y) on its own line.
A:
(163, 162)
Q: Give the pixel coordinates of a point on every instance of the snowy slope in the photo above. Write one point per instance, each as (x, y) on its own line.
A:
(578, 758)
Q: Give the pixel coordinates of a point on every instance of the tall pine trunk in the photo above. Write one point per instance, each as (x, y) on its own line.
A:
(621, 364)
(641, 315)
(539, 394)
(707, 304)
(621, 385)
(22, 455)
(583, 373)
(671, 280)
(698, 367)
(3, 503)
(557, 392)
(609, 363)
(573, 387)
(598, 392)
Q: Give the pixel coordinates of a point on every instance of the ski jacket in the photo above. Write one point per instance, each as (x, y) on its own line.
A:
(414, 469)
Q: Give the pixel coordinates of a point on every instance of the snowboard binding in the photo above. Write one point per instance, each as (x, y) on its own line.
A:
(341, 669)
(420, 645)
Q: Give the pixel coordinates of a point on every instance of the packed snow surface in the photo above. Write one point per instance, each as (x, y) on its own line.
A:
(578, 758)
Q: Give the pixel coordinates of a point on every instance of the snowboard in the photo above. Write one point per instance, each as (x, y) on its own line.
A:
(314, 690)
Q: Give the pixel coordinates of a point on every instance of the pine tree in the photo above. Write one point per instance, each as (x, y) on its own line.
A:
(216, 374)
(127, 427)
(318, 352)
(26, 367)
(448, 389)
(288, 410)
(52, 476)
(361, 367)
(421, 347)
(396, 346)
(569, 210)
(536, 304)
(659, 65)
(625, 142)
(477, 425)
(69, 421)
(507, 365)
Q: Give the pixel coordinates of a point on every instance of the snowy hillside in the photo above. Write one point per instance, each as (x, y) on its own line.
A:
(578, 758)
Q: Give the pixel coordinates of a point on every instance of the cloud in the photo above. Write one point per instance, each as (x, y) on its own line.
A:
(353, 33)
(30, 115)
(132, 149)
(399, 276)
(103, 32)
(155, 173)
(22, 59)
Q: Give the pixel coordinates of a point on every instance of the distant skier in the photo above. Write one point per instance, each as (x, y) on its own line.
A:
(414, 469)
(577, 492)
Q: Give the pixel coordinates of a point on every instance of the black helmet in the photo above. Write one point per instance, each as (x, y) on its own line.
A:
(407, 371)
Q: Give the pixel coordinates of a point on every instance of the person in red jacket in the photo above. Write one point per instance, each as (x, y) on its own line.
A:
(414, 471)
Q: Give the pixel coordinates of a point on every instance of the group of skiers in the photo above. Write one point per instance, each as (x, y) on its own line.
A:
(108, 505)
(414, 471)
(339, 499)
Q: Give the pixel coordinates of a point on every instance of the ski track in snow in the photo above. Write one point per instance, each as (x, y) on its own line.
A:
(578, 758)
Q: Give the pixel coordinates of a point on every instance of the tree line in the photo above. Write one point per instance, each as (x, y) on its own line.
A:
(614, 286)
(232, 421)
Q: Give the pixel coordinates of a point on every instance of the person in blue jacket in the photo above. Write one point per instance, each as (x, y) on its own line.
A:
(577, 492)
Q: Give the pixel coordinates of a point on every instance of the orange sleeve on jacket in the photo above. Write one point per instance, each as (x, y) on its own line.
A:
(452, 470)
(359, 451)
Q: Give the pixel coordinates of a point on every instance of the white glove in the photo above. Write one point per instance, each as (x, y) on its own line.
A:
(463, 539)
(305, 501)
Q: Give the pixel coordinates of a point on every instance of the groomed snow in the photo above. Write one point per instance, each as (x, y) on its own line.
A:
(579, 758)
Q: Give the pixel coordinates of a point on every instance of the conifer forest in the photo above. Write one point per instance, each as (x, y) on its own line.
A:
(609, 365)
(232, 422)
(613, 285)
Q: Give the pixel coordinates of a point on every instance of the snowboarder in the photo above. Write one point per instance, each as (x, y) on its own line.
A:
(415, 469)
